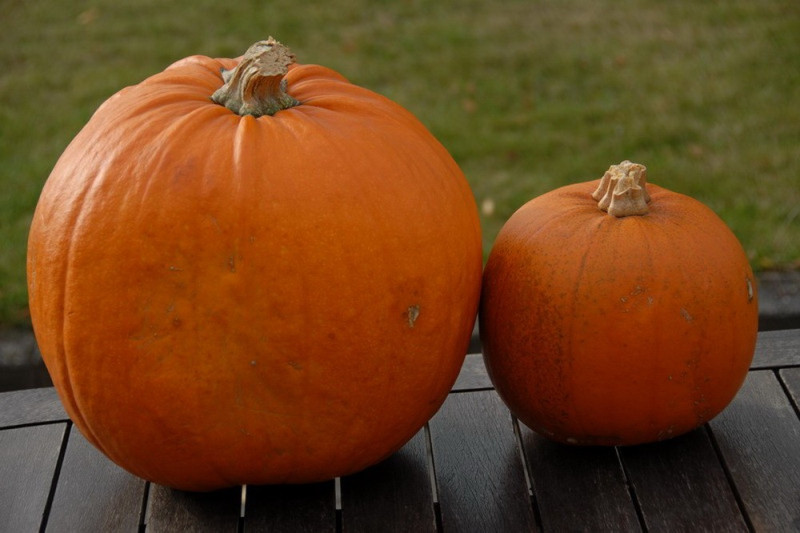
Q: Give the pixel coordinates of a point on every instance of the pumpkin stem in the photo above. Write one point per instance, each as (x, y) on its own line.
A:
(622, 191)
(256, 86)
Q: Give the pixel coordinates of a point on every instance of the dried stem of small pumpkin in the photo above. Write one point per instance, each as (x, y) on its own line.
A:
(257, 86)
(623, 190)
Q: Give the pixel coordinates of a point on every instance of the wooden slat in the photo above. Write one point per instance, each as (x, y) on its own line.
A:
(759, 437)
(94, 494)
(291, 508)
(395, 495)
(33, 406)
(681, 486)
(578, 488)
(172, 510)
(479, 473)
(777, 348)
(473, 375)
(28, 459)
(791, 377)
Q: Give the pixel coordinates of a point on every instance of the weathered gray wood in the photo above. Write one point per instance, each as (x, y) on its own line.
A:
(473, 375)
(28, 459)
(291, 508)
(759, 438)
(681, 485)
(791, 377)
(32, 406)
(777, 348)
(395, 495)
(172, 510)
(94, 494)
(477, 460)
(578, 488)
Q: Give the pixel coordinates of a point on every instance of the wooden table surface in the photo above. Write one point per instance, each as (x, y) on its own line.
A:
(472, 468)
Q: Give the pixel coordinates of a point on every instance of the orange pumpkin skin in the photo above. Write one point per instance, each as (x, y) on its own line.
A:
(600, 330)
(224, 299)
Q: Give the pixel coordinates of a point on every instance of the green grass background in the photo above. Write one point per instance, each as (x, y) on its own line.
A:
(526, 95)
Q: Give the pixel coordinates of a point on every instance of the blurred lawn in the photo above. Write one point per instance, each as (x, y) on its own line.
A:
(527, 95)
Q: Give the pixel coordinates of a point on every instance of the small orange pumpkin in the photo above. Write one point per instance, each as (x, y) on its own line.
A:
(277, 285)
(621, 322)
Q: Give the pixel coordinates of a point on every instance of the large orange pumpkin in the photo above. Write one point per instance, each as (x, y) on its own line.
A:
(276, 288)
(626, 321)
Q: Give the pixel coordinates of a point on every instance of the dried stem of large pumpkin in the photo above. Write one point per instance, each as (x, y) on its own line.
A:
(623, 190)
(257, 86)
